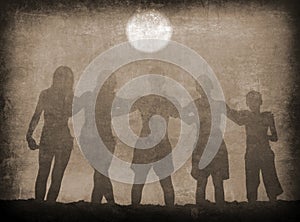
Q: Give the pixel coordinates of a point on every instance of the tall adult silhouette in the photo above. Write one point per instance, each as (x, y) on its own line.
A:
(259, 156)
(149, 106)
(102, 184)
(56, 141)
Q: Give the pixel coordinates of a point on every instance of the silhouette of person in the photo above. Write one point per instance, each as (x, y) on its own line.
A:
(56, 141)
(259, 155)
(102, 184)
(218, 168)
(148, 106)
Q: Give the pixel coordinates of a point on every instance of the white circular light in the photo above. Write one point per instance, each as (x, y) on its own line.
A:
(148, 25)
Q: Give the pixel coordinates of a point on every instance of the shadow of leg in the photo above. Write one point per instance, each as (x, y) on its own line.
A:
(200, 190)
(168, 190)
(270, 178)
(139, 182)
(252, 179)
(102, 187)
(61, 160)
(97, 193)
(45, 160)
(219, 190)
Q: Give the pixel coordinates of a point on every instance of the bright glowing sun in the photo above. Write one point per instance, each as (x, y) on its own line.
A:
(148, 24)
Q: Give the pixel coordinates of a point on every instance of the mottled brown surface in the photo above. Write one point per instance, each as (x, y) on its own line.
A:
(248, 46)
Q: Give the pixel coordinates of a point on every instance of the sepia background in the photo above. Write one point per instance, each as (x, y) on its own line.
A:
(249, 46)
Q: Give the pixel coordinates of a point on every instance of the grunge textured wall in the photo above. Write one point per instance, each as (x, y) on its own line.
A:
(249, 45)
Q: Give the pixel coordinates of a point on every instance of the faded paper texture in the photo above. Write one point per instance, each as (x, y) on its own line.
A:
(249, 47)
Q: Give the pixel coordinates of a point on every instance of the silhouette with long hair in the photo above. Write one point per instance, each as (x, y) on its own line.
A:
(259, 155)
(102, 184)
(218, 168)
(56, 141)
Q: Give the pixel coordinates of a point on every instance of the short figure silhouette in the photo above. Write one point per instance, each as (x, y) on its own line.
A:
(102, 183)
(56, 141)
(218, 168)
(259, 156)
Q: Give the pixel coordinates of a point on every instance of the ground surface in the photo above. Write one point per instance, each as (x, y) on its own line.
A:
(30, 210)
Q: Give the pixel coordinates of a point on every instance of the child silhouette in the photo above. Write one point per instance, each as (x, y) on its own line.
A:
(259, 155)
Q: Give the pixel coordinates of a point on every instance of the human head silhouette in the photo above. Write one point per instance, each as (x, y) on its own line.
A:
(63, 79)
(254, 100)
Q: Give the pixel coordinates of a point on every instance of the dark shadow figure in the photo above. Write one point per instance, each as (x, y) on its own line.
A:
(148, 106)
(218, 168)
(102, 184)
(259, 156)
(56, 141)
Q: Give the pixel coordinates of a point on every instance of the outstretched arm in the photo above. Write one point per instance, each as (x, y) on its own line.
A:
(273, 137)
(123, 107)
(239, 117)
(33, 123)
(188, 114)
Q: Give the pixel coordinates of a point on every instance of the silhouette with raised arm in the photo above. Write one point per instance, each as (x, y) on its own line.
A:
(218, 168)
(56, 141)
(149, 106)
(153, 144)
(259, 155)
(102, 184)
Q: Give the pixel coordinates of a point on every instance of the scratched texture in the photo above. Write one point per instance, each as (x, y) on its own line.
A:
(249, 45)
